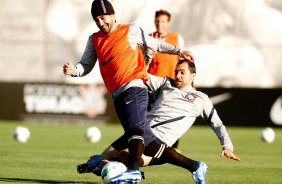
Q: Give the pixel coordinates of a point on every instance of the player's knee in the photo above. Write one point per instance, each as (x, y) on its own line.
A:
(154, 149)
(136, 134)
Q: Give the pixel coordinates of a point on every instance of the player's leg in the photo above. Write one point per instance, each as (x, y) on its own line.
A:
(131, 108)
(92, 163)
(163, 154)
(117, 151)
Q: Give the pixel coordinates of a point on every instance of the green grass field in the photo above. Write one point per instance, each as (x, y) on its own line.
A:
(53, 151)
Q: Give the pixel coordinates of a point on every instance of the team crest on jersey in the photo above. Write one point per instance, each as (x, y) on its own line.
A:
(190, 97)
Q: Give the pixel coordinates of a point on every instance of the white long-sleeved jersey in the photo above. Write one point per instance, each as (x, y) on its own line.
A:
(174, 111)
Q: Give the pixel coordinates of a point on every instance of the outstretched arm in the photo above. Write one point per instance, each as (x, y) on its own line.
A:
(211, 117)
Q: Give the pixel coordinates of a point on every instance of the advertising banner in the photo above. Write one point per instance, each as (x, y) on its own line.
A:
(247, 106)
(88, 103)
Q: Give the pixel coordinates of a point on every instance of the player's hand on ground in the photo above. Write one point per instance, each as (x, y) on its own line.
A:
(229, 154)
(187, 55)
(68, 68)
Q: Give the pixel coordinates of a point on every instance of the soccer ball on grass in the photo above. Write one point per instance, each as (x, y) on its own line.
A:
(21, 134)
(111, 170)
(267, 134)
(93, 134)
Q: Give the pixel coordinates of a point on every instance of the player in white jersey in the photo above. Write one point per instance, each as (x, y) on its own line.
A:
(175, 107)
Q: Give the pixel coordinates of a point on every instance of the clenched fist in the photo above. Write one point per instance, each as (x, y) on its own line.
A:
(68, 68)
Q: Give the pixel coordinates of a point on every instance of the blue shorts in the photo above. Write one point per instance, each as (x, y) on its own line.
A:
(131, 108)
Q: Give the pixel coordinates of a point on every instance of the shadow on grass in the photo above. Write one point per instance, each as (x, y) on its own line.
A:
(25, 180)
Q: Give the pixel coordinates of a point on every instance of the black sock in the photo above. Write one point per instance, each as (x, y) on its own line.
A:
(136, 149)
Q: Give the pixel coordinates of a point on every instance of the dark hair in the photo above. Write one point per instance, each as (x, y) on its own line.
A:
(191, 65)
(163, 12)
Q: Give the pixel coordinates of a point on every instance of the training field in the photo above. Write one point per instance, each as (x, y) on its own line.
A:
(53, 151)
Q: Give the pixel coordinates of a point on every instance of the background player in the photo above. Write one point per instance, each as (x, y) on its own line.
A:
(164, 64)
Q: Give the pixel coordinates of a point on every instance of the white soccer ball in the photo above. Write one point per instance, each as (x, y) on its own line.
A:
(93, 134)
(267, 134)
(21, 134)
(111, 170)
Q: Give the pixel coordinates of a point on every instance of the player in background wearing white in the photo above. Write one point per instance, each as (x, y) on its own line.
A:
(174, 110)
